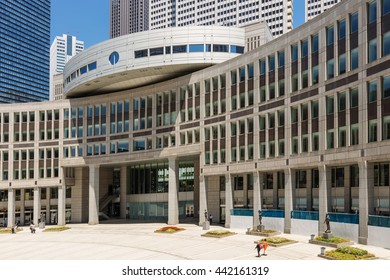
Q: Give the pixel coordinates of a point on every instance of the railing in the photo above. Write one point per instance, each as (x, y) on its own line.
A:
(344, 218)
(241, 212)
(304, 215)
(273, 213)
(379, 221)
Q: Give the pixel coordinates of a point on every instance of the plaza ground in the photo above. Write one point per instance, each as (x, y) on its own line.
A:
(139, 242)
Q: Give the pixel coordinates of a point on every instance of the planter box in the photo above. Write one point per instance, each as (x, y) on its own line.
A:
(333, 259)
(333, 245)
(261, 233)
(218, 236)
(280, 244)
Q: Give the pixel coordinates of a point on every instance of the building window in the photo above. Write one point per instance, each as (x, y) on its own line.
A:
(281, 59)
(341, 29)
(354, 22)
(354, 175)
(341, 101)
(114, 58)
(329, 105)
(386, 128)
(342, 136)
(330, 139)
(330, 68)
(315, 75)
(315, 141)
(314, 43)
(372, 91)
(381, 175)
(329, 35)
(294, 52)
(354, 58)
(342, 64)
(371, 11)
(304, 48)
(140, 53)
(372, 50)
(262, 65)
(337, 177)
(354, 98)
(372, 131)
(157, 51)
(271, 62)
(386, 44)
(386, 87)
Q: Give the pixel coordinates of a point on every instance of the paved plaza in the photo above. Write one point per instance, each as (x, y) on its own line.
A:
(139, 242)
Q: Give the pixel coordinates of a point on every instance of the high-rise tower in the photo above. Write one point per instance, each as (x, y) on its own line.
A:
(316, 7)
(62, 49)
(128, 16)
(156, 14)
(24, 50)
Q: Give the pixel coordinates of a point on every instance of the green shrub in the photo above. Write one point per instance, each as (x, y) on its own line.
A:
(61, 228)
(334, 239)
(352, 251)
(276, 240)
(349, 253)
(218, 232)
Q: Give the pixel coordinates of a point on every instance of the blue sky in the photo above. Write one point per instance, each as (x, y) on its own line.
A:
(88, 20)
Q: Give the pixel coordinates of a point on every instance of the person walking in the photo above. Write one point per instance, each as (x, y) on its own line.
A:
(265, 246)
(211, 219)
(32, 228)
(258, 247)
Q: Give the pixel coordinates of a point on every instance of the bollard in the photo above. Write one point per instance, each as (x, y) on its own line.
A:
(248, 230)
(312, 237)
(322, 251)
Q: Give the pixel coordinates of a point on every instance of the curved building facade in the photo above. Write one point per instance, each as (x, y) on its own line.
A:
(297, 128)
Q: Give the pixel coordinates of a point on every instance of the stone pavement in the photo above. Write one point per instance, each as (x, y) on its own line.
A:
(139, 242)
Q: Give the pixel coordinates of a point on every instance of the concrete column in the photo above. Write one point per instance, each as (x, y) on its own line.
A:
(309, 189)
(228, 199)
(288, 198)
(196, 188)
(275, 190)
(256, 199)
(173, 196)
(37, 205)
(245, 191)
(93, 218)
(366, 179)
(122, 192)
(48, 194)
(61, 204)
(323, 196)
(11, 207)
(202, 199)
(347, 189)
(22, 207)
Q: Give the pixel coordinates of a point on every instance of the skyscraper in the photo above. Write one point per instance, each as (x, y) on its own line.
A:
(316, 7)
(128, 16)
(24, 50)
(168, 13)
(62, 49)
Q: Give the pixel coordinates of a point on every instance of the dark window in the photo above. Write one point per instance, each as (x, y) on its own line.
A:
(156, 51)
(140, 53)
(220, 48)
(371, 11)
(180, 49)
(354, 25)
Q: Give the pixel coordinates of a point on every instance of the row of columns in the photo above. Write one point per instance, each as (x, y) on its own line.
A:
(173, 195)
(37, 206)
(365, 180)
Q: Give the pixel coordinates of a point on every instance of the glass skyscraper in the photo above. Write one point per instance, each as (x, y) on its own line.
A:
(24, 50)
